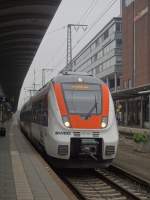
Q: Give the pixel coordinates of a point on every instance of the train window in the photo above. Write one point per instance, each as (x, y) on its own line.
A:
(81, 102)
(40, 111)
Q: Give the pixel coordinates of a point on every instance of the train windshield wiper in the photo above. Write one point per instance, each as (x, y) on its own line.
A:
(91, 110)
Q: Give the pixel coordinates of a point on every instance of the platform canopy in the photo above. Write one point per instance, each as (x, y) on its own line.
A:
(131, 92)
(23, 24)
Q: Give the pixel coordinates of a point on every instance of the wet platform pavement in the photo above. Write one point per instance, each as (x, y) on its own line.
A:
(131, 159)
(24, 175)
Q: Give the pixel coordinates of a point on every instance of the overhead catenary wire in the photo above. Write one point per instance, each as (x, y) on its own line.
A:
(94, 23)
(88, 11)
(84, 35)
(92, 26)
(85, 14)
(56, 30)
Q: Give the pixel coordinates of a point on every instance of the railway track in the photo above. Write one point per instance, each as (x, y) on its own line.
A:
(106, 184)
(112, 183)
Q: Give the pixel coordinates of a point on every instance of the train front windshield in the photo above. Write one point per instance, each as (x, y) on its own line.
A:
(83, 99)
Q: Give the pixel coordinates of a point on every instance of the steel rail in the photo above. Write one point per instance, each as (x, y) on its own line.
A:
(131, 176)
(80, 184)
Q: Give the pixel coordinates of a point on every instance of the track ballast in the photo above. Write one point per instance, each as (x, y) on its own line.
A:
(106, 184)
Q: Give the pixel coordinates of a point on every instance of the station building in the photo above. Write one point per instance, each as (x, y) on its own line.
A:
(102, 56)
(133, 100)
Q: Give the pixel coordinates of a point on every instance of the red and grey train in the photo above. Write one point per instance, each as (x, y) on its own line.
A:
(73, 118)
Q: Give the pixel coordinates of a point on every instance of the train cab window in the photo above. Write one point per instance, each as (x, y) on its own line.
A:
(82, 101)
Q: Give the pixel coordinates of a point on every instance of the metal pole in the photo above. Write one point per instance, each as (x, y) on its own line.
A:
(43, 78)
(69, 45)
(126, 117)
(34, 80)
(149, 111)
(115, 77)
(69, 42)
(141, 116)
(134, 53)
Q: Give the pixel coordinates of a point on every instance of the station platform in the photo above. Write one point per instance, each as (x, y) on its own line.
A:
(131, 159)
(130, 131)
(24, 175)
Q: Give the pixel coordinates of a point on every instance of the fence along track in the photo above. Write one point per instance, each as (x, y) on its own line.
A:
(102, 185)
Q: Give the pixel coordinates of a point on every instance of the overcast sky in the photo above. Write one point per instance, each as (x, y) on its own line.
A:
(52, 51)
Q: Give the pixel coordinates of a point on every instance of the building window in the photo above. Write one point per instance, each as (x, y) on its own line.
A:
(113, 61)
(106, 49)
(128, 2)
(118, 27)
(111, 83)
(97, 42)
(105, 35)
(113, 45)
(109, 47)
(118, 59)
(118, 42)
(97, 69)
(106, 64)
(112, 29)
(118, 81)
(100, 54)
(94, 58)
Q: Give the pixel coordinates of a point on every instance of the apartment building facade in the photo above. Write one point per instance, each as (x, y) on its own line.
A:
(102, 56)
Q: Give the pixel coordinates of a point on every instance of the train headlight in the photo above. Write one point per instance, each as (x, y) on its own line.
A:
(104, 122)
(66, 122)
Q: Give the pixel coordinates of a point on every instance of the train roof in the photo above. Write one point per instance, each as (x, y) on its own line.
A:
(65, 77)
(71, 77)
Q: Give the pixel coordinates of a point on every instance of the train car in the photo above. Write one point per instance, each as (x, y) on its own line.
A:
(72, 117)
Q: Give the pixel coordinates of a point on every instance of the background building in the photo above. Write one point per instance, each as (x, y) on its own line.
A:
(134, 98)
(102, 56)
(136, 43)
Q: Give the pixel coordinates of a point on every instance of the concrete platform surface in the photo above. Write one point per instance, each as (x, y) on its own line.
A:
(24, 175)
(132, 159)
